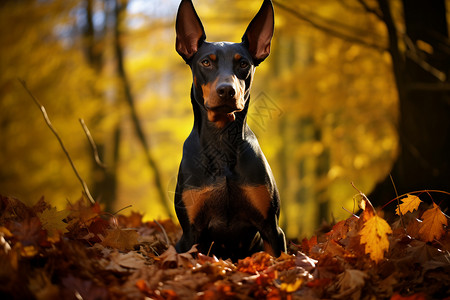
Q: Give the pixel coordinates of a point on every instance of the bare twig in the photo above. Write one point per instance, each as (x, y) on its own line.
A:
(429, 86)
(371, 10)
(49, 124)
(413, 53)
(210, 247)
(163, 231)
(398, 203)
(92, 143)
(123, 208)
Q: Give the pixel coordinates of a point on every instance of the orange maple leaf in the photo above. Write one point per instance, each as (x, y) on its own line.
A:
(410, 204)
(374, 235)
(431, 227)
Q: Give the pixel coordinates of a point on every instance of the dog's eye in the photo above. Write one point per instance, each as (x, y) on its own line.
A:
(243, 64)
(206, 63)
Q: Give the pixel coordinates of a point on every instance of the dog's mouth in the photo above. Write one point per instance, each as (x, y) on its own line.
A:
(222, 114)
(223, 109)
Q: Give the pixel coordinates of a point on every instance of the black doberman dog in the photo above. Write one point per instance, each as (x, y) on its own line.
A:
(226, 199)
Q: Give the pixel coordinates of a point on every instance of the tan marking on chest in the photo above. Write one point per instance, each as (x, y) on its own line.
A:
(260, 197)
(194, 200)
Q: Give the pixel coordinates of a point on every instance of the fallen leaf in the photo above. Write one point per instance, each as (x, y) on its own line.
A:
(305, 262)
(409, 204)
(349, 284)
(83, 213)
(29, 231)
(374, 235)
(122, 239)
(130, 260)
(292, 286)
(308, 244)
(419, 296)
(134, 220)
(255, 263)
(171, 259)
(432, 224)
(52, 221)
(339, 230)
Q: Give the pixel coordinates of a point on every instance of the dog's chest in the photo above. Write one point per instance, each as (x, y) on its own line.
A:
(225, 205)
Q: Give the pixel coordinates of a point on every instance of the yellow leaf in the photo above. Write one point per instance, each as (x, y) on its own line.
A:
(52, 221)
(431, 227)
(375, 235)
(292, 286)
(29, 251)
(410, 204)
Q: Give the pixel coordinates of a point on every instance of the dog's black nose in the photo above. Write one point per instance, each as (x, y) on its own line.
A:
(225, 91)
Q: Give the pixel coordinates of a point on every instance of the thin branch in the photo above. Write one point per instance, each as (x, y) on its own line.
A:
(429, 86)
(371, 10)
(398, 203)
(328, 30)
(93, 145)
(164, 232)
(49, 124)
(426, 66)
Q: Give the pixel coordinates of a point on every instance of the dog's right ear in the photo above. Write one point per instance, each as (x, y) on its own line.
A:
(190, 32)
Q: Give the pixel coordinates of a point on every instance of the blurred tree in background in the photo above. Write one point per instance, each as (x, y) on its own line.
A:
(325, 104)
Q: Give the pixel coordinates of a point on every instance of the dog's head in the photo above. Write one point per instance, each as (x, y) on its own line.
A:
(222, 71)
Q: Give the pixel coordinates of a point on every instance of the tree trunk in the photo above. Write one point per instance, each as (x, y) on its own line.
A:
(120, 8)
(424, 101)
(104, 180)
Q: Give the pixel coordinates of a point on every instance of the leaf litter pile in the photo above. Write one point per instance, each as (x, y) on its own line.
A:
(84, 253)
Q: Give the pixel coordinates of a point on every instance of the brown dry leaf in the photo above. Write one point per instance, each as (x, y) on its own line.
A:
(40, 206)
(410, 204)
(432, 224)
(121, 239)
(349, 284)
(134, 220)
(423, 252)
(307, 245)
(374, 235)
(339, 230)
(83, 212)
(29, 231)
(130, 260)
(171, 259)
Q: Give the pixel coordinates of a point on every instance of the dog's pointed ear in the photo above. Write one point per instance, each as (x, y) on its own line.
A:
(259, 33)
(189, 28)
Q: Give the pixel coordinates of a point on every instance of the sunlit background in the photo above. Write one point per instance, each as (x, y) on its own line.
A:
(324, 104)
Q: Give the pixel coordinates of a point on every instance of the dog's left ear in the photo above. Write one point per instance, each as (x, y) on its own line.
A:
(259, 33)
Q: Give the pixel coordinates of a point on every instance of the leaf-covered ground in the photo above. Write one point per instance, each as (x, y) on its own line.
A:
(84, 253)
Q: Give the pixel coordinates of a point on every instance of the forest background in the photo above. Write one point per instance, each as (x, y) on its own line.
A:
(347, 86)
